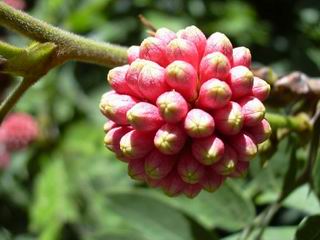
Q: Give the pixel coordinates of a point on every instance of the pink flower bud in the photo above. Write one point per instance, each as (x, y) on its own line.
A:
(192, 190)
(170, 139)
(199, 123)
(241, 169)
(240, 81)
(112, 139)
(218, 42)
(153, 49)
(155, 183)
(152, 82)
(172, 185)
(214, 65)
(189, 169)
(208, 150)
(172, 106)
(182, 77)
(136, 169)
(117, 80)
(260, 132)
(194, 35)
(229, 119)
(252, 110)
(241, 57)
(244, 146)
(165, 35)
(211, 180)
(260, 89)
(228, 162)
(133, 75)
(109, 125)
(158, 165)
(184, 50)
(145, 117)
(214, 94)
(136, 144)
(115, 106)
(133, 53)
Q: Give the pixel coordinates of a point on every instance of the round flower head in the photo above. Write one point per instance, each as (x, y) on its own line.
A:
(172, 106)
(260, 89)
(136, 144)
(211, 181)
(240, 81)
(228, 163)
(244, 146)
(112, 139)
(241, 57)
(117, 80)
(214, 65)
(208, 150)
(229, 119)
(192, 190)
(109, 125)
(133, 73)
(184, 50)
(260, 132)
(170, 139)
(189, 169)
(165, 35)
(194, 35)
(133, 53)
(241, 169)
(182, 77)
(252, 110)
(186, 112)
(115, 106)
(145, 117)
(136, 169)
(172, 185)
(214, 94)
(152, 82)
(158, 165)
(199, 123)
(153, 49)
(218, 42)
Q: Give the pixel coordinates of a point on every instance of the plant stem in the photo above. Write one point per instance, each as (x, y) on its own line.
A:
(70, 46)
(14, 96)
(8, 51)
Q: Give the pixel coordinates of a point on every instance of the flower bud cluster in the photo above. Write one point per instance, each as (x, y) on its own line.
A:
(186, 112)
(17, 131)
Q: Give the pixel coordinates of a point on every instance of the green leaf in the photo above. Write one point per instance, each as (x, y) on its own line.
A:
(150, 217)
(309, 229)
(271, 233)
(227, 208)
(301, 199)
(270, 177)
(53, 205)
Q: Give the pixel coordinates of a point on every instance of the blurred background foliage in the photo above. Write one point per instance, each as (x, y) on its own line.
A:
(68, 186)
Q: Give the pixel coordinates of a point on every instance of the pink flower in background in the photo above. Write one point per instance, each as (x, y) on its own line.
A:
(187, 112)
(17, 131)
(17, 4)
